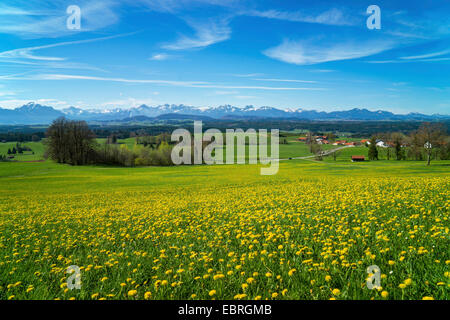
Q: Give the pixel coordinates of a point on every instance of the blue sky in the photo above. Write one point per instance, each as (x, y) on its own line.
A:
(286, 54)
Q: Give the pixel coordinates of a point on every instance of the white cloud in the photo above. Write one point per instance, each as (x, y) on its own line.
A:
(215, 86)
(206, 34)
(221, 92)
(190, 84)
(35, 19)
(159, 57)
(122, 80)
(8, 10)
(173, 6)
(287, 80)
(248, 75)
(27, 52)
(7, 94)
(330, 17)
(246, 97)
(27, 56)
(304, 53)
(428, 55)
(322, 70)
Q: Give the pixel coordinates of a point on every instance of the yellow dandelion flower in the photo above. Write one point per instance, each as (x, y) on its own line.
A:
(336, 292)
(132, 293)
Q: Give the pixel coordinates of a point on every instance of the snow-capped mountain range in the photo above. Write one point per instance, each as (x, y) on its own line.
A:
(33, 113)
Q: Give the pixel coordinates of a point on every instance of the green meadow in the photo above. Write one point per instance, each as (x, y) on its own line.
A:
(225, 231)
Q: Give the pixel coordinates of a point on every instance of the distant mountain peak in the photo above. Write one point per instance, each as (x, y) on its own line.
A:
(34, 113)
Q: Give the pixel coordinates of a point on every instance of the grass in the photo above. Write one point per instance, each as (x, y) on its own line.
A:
(37, 147)
(292, 149)
(225, 231)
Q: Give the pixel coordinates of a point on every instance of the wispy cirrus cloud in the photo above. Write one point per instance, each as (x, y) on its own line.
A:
(37, 19)
(111, 79)
(206, 33)
(6, 10)
(173, 6)
(306, 53)
(427, 55)
(285, 80)
(332, 16)
(190, 84)
(7, 93)
(248, 75)
(159, 57)
(28, 56)
(436, 56)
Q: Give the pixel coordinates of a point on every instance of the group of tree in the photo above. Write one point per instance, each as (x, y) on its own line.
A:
(18, 149)
(153, 141)
(429, 141)
(21, 136)
(112, 139)
(70, 142)
(73, 142)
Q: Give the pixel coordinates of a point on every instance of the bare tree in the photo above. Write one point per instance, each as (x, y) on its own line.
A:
(311, 141)
(70, 142)
(318, 151)
(398, 140)
(335, 154)
(430, 136)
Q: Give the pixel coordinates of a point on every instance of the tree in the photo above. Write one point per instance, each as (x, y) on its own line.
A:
(317, 150)
(398, 139)
(430, 136)
(70, 142)
(311, 141)
(373, 151)
(9, 151)
(335, 154)
(331, 136)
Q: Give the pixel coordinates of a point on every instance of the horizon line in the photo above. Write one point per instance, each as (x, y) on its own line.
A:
(288, 109)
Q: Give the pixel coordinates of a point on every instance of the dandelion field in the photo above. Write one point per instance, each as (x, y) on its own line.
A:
(225, 232)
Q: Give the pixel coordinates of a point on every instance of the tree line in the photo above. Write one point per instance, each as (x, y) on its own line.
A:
(429, 141)
(73, 142)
